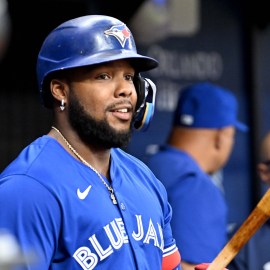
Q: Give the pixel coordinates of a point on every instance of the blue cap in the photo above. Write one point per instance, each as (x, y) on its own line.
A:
(206, 105)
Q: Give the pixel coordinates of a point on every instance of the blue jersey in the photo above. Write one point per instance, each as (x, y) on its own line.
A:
(199, 209)
(59, 208)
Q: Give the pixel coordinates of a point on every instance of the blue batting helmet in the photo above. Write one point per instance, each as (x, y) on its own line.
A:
(90, 40)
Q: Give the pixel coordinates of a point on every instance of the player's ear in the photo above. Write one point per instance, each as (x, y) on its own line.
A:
(58, 89)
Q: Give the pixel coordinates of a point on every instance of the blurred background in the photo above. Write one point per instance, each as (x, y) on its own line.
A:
(223, 41)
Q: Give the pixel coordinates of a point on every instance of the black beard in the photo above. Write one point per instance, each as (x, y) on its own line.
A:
(93, 132)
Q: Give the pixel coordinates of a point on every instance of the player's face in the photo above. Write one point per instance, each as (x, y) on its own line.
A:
(102, 101)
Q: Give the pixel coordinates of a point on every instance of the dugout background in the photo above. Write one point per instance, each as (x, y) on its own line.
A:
(225, 41)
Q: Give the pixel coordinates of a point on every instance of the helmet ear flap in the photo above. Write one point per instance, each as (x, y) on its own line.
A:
(140, 88)
(146, 92)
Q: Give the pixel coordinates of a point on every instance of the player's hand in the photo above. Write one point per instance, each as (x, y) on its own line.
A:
(204, 266)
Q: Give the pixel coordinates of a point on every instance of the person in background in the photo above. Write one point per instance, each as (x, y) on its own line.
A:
(199, 144)
(73, 195)
(263, 166)
(255, 254)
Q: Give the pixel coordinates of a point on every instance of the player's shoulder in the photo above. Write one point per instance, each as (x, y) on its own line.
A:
(129, 163)
(127, 158)
(37, 162)
(28, 157)
(167, 154)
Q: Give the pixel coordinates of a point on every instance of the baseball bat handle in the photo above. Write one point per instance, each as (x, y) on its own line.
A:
(254, 221)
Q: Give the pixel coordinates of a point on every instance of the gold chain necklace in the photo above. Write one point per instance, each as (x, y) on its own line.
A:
(110, 189)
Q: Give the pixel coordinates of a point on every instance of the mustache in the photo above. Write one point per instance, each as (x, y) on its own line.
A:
(126, 103)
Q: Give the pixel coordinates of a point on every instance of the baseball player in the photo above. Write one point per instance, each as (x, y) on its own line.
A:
(199, 144)
(73, 196)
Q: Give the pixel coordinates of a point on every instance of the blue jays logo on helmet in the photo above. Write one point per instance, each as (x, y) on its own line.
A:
(120, 32)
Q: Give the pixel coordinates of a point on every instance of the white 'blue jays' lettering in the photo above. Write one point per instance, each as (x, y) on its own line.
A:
(117, 236)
